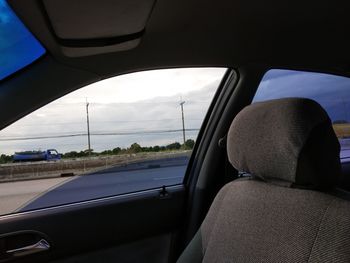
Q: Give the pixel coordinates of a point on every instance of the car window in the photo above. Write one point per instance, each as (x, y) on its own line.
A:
(18, 47)
(124, 134)
(330, 91)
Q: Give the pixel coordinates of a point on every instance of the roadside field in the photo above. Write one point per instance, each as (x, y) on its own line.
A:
(342, 130)
(69, 167)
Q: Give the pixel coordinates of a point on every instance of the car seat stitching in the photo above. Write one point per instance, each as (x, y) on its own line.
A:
(319, 227)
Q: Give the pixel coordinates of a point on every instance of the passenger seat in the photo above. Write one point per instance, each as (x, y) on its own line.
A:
(286, 212)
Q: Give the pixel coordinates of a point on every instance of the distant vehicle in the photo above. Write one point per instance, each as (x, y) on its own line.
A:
(32, 156)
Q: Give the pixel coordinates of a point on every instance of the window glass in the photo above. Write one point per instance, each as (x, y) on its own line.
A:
(18, 47)
(330, 91)
(125, 134)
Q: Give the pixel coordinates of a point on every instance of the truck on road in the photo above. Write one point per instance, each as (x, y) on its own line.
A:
(32, 156)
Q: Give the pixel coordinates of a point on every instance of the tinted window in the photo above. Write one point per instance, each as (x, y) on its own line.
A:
(332, 92)
(125, 134)
(18, 47)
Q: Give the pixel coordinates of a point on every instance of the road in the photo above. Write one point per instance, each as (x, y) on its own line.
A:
(345, 150)
(108, 182)
(15, 195)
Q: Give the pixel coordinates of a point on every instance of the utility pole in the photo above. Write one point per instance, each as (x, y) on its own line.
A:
(88, 126)
(183, 120)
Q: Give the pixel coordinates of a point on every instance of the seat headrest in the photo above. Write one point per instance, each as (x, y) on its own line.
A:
(289, 142)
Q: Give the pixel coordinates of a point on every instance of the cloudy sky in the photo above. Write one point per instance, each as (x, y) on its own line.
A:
(140, 107)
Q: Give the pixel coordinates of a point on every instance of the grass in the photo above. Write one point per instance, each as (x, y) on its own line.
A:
(342, 130)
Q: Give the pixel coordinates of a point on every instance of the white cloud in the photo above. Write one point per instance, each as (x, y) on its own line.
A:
(145, 85)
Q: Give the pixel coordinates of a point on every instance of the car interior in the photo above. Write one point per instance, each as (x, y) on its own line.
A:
(264, 182)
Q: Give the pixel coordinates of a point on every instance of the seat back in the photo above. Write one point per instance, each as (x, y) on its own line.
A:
(284, 212)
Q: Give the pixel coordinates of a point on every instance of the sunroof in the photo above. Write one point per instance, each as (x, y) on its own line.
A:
(18, 47)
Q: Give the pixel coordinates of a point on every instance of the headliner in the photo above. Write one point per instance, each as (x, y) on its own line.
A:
(310, 34)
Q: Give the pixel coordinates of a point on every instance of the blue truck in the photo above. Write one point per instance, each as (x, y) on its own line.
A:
(32, 156)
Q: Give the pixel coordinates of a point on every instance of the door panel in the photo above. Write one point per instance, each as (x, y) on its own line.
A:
(83, 227)
(154, 250)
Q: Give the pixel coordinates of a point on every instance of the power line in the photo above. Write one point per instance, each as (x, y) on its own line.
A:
(73, 132)
(95, 134)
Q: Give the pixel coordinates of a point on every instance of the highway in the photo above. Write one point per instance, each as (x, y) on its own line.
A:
(113, 181)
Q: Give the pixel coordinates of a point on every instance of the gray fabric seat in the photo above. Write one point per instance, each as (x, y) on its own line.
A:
(285, 212)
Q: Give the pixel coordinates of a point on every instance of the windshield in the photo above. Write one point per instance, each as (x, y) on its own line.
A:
(18, 47)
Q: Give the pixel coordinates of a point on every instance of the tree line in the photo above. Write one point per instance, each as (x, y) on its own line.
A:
(133, 148)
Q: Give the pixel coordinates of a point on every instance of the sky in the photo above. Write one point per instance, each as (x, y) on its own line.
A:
(140, 107)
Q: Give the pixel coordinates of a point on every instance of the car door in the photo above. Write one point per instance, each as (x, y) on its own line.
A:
(105, 202)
